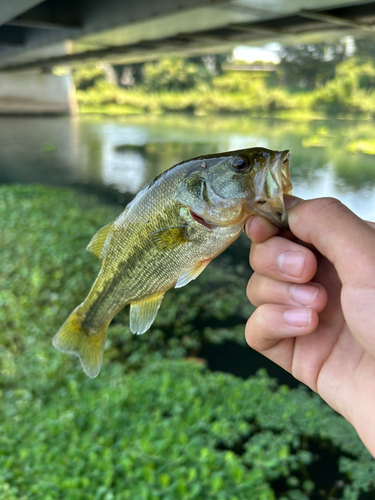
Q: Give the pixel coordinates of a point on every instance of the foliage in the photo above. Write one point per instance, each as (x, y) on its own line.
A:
(365, 48)
(169, 431)
(204, 101)
(238, 82)
(173, 75)
(147, 427)
(212, 63)
(174, 85)
(352, 90)
(86, 76)
(310, 66)
(180, 85)
(333, 98)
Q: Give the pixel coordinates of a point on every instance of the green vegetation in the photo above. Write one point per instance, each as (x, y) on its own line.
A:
(366, 146)
(152, 425)
(311, 81)
(179, 76)
(235, 93)
(310, 66)
(168, 432)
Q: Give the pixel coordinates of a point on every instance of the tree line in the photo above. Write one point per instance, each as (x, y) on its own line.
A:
(328, 77)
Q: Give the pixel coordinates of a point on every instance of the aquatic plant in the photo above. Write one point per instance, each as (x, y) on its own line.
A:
(152, 425)
(171, 431)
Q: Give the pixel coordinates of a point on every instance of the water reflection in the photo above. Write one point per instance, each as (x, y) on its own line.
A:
(124, 153)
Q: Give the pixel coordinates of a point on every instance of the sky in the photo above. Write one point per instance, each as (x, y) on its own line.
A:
(268, 53)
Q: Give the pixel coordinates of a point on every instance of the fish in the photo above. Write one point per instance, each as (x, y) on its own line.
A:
(166, 237)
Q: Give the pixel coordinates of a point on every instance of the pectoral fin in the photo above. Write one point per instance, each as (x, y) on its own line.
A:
(192, 273)
(143, 313)
(170, 237)
(97, 243)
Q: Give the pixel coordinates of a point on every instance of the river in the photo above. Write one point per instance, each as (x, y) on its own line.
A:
(116, 156)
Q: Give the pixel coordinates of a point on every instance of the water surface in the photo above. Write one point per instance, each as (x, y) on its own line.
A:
(117, 156)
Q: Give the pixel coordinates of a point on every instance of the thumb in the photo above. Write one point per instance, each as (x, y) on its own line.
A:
(337, 233)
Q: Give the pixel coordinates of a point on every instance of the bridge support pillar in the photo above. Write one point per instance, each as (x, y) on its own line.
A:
(36, 92)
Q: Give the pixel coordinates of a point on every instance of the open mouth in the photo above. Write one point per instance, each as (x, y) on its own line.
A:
(202, 221)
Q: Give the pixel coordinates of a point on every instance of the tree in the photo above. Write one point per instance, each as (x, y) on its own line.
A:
(365, 48)
(173, 74)
(129, 74)
(86, 76)
(310, 66)
(213, 64)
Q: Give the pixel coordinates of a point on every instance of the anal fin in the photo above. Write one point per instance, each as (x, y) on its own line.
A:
(192, 273)
(97, 243)
(143, 313)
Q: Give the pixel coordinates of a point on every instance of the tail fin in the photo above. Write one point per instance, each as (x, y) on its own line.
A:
(72, 338)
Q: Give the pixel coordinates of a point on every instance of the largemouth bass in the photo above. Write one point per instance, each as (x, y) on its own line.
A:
(166, 237)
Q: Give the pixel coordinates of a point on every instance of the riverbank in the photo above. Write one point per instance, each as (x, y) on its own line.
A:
(278, 105)
(349, 95)
(126, 110)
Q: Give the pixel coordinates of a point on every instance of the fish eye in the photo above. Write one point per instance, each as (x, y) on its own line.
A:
(240, 164)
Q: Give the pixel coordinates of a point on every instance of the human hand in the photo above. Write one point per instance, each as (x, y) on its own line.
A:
(314, 288)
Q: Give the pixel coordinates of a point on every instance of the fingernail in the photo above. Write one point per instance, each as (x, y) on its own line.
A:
(291, 201)
(291, 263)
(304, 294)
(298, 317)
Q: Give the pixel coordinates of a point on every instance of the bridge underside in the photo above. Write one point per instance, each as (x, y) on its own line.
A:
(44, 34)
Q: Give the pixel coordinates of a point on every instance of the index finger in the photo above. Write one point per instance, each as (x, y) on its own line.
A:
(259, 229)
(343, 238)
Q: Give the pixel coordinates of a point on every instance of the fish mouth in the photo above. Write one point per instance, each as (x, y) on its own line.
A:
(202, 221)
(271, 184)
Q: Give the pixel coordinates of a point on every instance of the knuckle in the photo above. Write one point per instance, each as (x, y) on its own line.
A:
(262, 256)
(250, 331)
(256, 320)
(252, 289)
(253, 254)
(322, 206)
(255, 328)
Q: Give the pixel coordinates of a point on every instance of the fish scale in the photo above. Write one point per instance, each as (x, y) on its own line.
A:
(167, 235)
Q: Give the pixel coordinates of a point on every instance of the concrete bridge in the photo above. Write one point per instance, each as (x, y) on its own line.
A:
(36, 35)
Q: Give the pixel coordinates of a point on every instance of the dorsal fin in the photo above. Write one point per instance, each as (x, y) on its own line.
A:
(97, 243)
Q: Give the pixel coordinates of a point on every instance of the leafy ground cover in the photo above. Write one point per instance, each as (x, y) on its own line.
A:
(152, 425)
